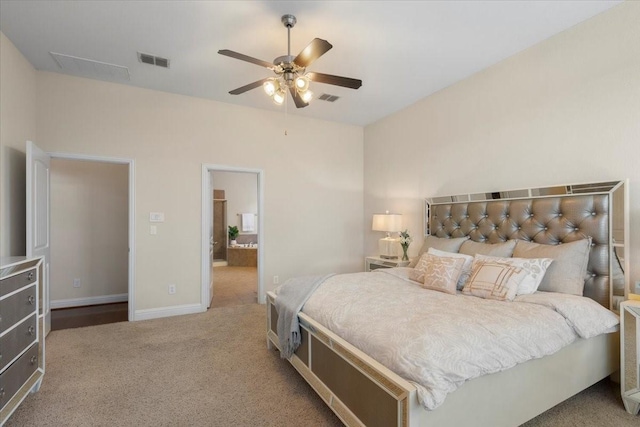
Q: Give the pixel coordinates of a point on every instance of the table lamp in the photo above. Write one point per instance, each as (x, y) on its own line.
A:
(390, 223)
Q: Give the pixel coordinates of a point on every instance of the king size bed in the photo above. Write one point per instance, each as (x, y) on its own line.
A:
(386, 349)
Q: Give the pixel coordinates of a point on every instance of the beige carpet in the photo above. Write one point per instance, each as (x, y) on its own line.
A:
(209, 369)
(234, 286)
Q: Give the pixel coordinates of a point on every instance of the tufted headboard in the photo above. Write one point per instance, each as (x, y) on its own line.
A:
(547, 219)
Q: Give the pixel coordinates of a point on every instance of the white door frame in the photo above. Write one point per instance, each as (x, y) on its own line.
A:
(207, 214)
(132, 217)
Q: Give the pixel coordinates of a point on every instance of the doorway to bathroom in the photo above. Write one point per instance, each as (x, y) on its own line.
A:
(233, 198)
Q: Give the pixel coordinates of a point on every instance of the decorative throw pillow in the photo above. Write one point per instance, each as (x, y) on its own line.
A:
(417, 273)
(466, 266)
(503, 250)
(442, 244)
(569, 268)
(535, 268)
(441, 272)
(492, 279)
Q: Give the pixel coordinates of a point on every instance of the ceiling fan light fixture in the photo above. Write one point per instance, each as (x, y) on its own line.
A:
(278, 96)
(270, 87)
(302, 83)
(306, 96)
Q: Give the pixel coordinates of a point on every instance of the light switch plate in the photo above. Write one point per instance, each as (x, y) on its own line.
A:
(156, 216)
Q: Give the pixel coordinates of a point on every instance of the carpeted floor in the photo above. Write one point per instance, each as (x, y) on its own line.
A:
(210, 369)
(234, 286)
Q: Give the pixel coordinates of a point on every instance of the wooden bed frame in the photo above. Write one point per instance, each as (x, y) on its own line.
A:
(363, 392)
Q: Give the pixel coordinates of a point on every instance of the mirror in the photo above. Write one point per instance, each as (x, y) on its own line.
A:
(630, 381)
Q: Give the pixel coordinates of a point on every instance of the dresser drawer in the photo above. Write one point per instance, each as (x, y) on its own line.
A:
(17, 307)
(16, 340)
(18, 281)
(17, 374)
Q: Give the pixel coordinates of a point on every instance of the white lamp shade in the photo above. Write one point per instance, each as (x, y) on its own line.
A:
(389, 222)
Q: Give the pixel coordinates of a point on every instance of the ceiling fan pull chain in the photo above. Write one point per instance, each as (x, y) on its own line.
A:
(286, 116)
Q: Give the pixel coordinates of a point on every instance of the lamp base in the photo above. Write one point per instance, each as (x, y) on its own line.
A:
(388, 248)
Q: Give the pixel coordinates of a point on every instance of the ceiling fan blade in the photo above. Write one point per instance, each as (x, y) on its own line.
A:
(313, 51)
(240, 56)
(248, 87)
(297, 99)
(335, 80)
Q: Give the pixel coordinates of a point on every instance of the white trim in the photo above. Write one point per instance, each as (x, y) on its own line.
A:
(207, 201)
(178, 310)
(79, 302)
(132, 214)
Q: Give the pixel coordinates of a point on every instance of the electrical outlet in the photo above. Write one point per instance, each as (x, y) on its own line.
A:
(276, 280)
(76, 283)
(172, 289)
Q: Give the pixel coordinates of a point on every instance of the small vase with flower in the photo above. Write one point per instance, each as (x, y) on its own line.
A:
(405, 241)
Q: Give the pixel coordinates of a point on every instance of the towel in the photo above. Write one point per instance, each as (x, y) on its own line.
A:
(248, 222)
(291, 297)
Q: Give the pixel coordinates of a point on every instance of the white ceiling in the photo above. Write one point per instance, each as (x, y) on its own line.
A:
(402, 50)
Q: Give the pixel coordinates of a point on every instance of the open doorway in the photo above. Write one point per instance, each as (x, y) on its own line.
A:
(234, 269)
(89, 273)
(232, 235)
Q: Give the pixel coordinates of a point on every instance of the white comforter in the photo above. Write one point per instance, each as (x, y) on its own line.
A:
(438, 341)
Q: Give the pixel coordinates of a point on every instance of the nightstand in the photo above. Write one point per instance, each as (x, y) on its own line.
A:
(373, 263)
(629, 355)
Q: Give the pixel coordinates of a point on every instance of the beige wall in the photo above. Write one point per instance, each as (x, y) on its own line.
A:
(241, 191)
(564, 111)
(17, 125)
(313, 176)
(89, 229)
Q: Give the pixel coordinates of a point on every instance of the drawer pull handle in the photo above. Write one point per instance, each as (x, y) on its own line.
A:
(34, 359)
(31, 299)
(30, 275)
(31, 330)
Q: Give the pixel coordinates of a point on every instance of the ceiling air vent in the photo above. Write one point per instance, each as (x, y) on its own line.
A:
(158, 61)
(328, 98)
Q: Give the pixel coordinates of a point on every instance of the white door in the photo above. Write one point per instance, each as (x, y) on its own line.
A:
(38, 208)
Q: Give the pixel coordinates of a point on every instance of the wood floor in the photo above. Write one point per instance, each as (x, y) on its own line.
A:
(78, 317)
(234, 286)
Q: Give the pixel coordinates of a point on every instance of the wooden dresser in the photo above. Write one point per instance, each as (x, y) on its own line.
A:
(21, 331)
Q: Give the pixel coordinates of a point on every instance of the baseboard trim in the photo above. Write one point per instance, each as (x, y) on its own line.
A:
(177, 310)
(79, 302)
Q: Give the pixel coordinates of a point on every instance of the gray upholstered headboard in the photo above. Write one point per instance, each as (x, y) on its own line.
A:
(548, 219)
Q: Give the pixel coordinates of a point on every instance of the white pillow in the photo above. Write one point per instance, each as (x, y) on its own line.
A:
(466, 266)
(493, 279)
(535, 268)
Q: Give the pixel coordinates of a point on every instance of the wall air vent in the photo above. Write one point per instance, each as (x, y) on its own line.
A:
(90, 68)
(158, 61)
(328, 98)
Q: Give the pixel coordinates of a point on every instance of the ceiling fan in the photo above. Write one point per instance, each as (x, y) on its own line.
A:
(291, 71)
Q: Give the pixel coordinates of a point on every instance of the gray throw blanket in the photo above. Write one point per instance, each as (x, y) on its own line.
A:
(291, 296)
